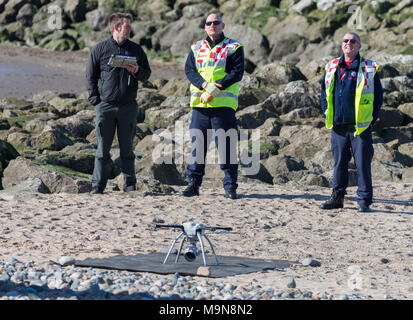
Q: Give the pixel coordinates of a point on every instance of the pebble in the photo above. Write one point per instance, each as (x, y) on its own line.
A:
(49, 281)
(311, 262)
(291, 283)
(66, 261)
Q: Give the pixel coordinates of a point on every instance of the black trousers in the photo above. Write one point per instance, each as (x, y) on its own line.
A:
(111, 118)
(344, 145)
(221, 124)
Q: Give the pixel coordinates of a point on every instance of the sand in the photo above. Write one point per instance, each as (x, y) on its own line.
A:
(25, 71)
(368, 254)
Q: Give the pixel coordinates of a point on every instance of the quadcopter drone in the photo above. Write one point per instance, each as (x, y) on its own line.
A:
(192, 232)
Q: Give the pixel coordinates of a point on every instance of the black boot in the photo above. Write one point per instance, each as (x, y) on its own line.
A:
(192, 189)
(336, 201)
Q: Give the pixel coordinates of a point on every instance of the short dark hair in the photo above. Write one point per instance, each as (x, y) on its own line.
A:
(116, 19)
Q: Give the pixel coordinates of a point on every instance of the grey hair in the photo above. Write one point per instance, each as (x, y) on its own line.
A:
(219, 15)
(355, 35)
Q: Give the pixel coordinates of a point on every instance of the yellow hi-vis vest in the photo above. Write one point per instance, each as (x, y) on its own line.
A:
(210, 64)
(364, 93)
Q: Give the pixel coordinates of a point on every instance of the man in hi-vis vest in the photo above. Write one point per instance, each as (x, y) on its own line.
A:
(351, 97)
(214, 67)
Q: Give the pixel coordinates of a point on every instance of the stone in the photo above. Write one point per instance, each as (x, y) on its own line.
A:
(290, 283)
(311, 262)
(203, 271)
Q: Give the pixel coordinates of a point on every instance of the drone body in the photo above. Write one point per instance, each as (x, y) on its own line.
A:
(191, 232)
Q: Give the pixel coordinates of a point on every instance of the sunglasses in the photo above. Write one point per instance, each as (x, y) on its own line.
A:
(352, 41)
(215, 23)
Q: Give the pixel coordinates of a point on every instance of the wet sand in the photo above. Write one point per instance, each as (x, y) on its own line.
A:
(25, 71)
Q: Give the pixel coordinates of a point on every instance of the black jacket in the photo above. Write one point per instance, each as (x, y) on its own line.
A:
(234, 67)
(111, 84)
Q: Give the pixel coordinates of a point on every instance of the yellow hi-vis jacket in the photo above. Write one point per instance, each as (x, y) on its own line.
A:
(210, 64)
(364, 93)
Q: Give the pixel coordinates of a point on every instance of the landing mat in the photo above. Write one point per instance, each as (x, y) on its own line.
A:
(153, 262)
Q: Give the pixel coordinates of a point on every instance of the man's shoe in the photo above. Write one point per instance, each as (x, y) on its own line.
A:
(192, 189)
(336, 201)
(96, 190)
(129, 188)
(363, 207)
(231, 194)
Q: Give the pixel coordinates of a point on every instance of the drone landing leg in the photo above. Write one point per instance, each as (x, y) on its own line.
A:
(179, 250)
(173, 244)
(202, 247)
(212, 247)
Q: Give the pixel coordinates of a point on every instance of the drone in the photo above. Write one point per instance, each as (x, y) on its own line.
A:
(192, 232)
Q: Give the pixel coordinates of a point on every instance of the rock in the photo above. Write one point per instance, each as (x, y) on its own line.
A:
(175, 87)
(390, 117)
(189, 30)
(253, 116)
(407, 109)
(384, 260)
(67, 261)
(28, 186)
(403, 134)
(21, 169)
(75, 9)
(311, 262)
(303, 6)
(203, 271)
(279, 73)
(255, 45)
(407, 177)
(25, 14)
(51, 139)
(290, 283)
(97, 19)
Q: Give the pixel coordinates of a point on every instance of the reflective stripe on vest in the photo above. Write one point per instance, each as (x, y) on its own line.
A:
(210, 64)
(364, 93)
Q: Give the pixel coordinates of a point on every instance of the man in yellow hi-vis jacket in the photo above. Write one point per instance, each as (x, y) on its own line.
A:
(351, 97)
(214, 67)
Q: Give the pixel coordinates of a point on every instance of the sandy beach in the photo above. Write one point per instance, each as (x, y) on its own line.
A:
(370, 254)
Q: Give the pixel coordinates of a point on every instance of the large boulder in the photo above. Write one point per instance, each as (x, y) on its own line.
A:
(56, 181)
(296, 95)
(98, 19)
(7, 154)
(255, 45)
(51, 139)
(76, 10)
(25, 14)
(279, 73)
(189, 31)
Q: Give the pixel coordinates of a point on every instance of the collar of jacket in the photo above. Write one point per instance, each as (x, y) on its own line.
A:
(213, 44)
(116, 43)
(354, 65)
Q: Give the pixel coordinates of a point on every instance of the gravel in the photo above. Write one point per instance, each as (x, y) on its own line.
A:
(51, 281)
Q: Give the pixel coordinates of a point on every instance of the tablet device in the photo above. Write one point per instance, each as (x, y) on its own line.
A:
(117, 60)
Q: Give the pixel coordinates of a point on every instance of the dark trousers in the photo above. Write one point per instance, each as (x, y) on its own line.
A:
(111, 118)
(343, 146)
(210, 121)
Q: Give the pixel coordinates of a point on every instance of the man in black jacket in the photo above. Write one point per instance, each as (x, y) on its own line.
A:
(113, 90)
